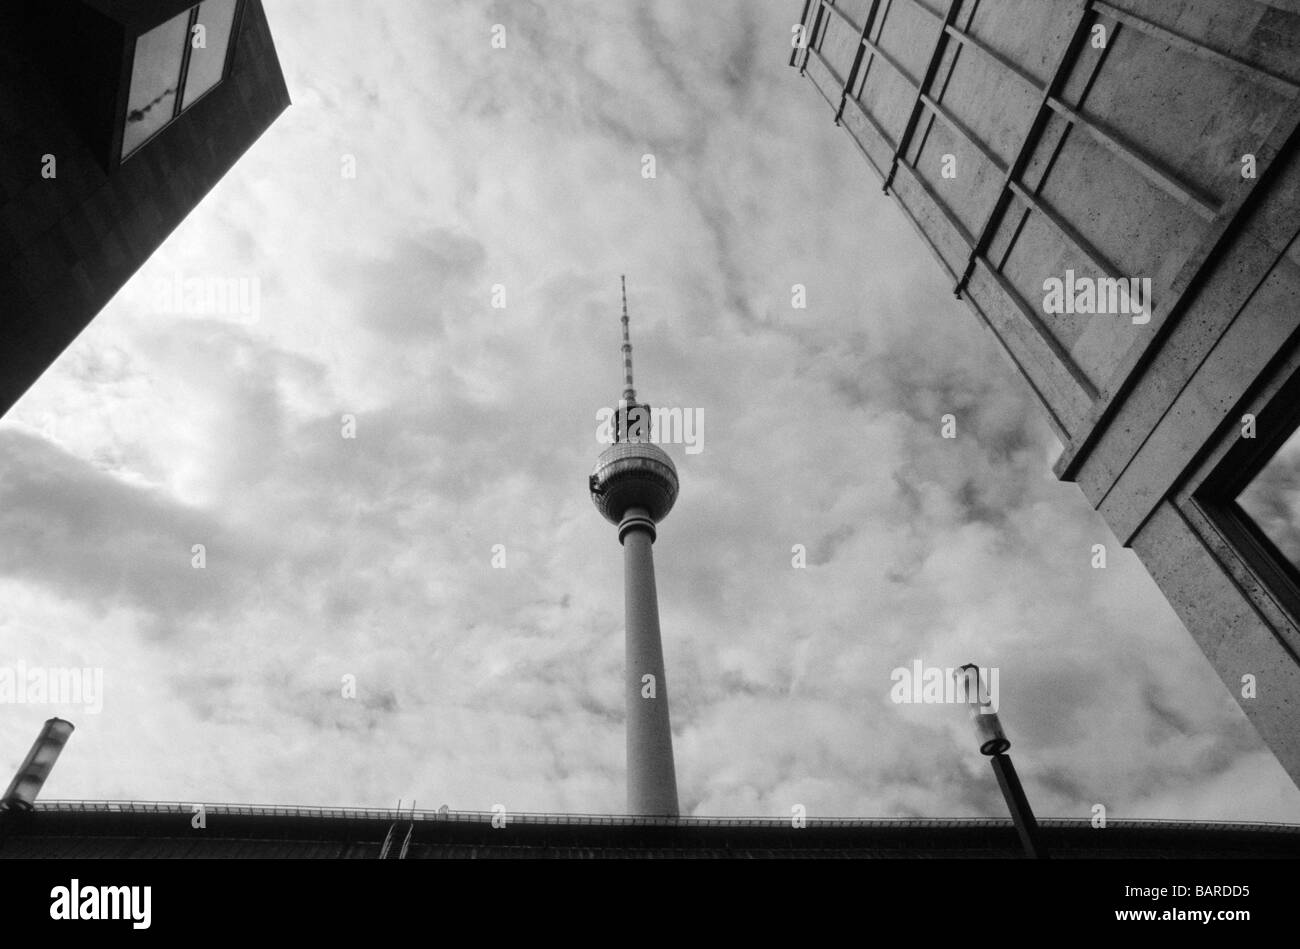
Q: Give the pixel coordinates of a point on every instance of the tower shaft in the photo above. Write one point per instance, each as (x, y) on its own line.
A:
(651, 775)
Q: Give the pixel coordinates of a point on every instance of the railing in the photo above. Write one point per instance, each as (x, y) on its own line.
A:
(619, 820)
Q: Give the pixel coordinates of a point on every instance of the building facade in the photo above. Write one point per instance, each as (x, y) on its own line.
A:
(1114, 189)
(116, 118)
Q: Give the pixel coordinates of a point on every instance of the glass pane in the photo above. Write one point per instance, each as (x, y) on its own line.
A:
(217, 17)
(1272, 499)
(155, 74)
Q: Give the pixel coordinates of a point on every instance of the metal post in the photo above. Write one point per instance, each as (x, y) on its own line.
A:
(1018, 804)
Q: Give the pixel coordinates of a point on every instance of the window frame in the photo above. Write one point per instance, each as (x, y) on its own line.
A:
(179, 108)
(1278, 419)
(226, 65)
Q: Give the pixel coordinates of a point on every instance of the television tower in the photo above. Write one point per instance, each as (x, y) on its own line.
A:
(634, 485)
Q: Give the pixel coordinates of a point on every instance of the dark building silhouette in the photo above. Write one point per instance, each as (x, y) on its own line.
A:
(116, 118)
(86, 829)
(1114, 189)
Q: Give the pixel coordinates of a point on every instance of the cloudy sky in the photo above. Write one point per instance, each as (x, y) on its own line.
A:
(475, 426)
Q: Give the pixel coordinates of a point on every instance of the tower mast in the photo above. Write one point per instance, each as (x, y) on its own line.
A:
(634, 485)
(629, 393)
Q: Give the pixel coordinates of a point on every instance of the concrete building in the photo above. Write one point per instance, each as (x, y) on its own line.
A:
(634, 485)
(116, 118)
(1114, 189)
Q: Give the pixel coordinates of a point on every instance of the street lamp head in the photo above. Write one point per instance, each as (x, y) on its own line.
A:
(992, 739)
(27, 783)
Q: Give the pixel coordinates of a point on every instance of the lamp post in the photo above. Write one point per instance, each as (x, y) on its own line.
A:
(994, 744)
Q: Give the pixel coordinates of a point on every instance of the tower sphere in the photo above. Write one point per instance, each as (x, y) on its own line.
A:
(634, 474)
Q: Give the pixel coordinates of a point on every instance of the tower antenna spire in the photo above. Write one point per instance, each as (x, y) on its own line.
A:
(629, 393)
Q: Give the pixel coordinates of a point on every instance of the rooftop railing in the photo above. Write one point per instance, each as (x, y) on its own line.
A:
(615, 820)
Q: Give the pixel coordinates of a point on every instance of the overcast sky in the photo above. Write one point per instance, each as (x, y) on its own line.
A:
(476, 426)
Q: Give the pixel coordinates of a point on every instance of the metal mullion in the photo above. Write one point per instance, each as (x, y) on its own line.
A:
(1185, 193)
(812, 36)
(891, 62)
(951, 121)
(966, 39)
(931, 69)
(1177, 40)
(863, 151)
(1033, 136)
(1065, 229)
(803, 22)
(876, 127)
(830, 69)
(857, 59)
(839, 13)
(236, 29)
(1048, 338)
(185, 60)
(921, 6)
(954, 222)
(880, 16)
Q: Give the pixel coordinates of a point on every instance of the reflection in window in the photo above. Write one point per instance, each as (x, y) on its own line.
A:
(155, 77)
(217, 17)
(1272, 499)
(165, 58)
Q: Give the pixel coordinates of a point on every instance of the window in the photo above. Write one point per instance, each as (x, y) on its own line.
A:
(1251, 493)
(176, 63)
(208, 65)
(155, 77)
(1272, 500)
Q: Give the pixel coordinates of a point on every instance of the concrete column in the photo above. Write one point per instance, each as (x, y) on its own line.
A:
(651, 777)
